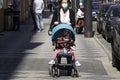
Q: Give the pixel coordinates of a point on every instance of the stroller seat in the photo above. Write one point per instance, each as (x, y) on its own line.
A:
(68, 56)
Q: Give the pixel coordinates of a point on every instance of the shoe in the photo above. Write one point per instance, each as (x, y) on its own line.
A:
(53, 48)
(77, 63)
(39, 31)
(42, 29)
(52, 62)
(73, 48)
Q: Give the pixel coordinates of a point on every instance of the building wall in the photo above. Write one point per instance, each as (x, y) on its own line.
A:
(1, 15)
(2, 20)
(24, 10)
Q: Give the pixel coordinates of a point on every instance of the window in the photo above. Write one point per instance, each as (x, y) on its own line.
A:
(116, 12)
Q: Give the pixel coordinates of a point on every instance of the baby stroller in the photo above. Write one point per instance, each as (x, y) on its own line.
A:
(69, 66)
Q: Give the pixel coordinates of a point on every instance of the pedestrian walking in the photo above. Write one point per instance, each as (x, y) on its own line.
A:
(50, 5)
(38, 7)
(79, 13)
(16, 12)
(63, 14)
(33, 16)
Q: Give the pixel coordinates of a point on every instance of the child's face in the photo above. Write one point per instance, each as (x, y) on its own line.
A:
(66, 38)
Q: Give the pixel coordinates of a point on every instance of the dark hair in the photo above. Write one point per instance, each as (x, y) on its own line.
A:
(60, 1)
(66, 33)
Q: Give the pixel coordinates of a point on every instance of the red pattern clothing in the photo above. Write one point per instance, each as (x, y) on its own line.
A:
(60, 51)
(67, 44)
(61, 43)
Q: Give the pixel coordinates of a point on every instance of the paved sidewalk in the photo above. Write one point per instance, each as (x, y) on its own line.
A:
(24, 55)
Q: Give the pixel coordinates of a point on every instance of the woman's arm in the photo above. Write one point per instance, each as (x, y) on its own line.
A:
(54, 18)
(72, 18)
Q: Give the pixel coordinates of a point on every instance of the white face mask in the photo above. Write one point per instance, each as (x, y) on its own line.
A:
(64, 5)
(66, 40)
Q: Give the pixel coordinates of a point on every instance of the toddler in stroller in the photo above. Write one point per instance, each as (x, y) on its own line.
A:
(64, 47)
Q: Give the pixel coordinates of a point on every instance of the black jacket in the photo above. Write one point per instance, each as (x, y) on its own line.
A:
(56, 17)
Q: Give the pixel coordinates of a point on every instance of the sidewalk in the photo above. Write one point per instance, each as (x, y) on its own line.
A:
(25, 56)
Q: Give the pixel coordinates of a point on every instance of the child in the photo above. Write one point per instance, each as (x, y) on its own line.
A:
(68, 43)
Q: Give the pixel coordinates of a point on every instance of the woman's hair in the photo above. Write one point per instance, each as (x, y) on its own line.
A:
(68, 1)
(60, 1)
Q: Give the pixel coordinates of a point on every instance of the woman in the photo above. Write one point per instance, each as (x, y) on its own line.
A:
(63, 15)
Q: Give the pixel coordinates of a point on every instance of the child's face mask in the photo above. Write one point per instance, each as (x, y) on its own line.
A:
(65, 39)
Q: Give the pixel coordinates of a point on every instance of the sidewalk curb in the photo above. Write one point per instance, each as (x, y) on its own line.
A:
(104, 48)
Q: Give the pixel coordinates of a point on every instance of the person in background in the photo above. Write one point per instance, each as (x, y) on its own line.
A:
(50, 5)
(33, 16)
(63, 15)
(79, 13)
(16, 6)
(38, 7)
(79, 16)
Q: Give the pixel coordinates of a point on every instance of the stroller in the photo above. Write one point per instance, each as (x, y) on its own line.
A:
(69, 66)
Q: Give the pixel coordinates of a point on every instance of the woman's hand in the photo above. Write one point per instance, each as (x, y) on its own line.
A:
(69, 23)
(56, 23)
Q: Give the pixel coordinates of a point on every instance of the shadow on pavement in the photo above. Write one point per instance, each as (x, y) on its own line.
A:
(12, 47)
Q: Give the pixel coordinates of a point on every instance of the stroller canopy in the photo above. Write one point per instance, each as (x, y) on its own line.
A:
(58, 30)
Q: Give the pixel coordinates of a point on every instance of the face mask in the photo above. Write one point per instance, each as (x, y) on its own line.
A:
(66, 40)
(64, 5)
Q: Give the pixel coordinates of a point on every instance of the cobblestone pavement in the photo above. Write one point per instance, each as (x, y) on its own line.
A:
(24, 55)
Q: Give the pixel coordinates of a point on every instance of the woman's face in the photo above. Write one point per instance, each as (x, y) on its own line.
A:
(65, 4)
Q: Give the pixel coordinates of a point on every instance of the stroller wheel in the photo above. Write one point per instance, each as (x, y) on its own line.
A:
(69, 72)
(58, 73)
(76, 74)
(79, 29)
(53, 72)
(50, 70)
(73, 73)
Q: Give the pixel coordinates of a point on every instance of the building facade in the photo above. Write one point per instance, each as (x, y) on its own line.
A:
(4, 4)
